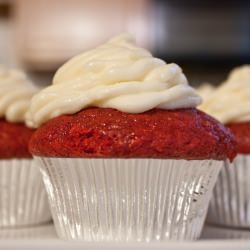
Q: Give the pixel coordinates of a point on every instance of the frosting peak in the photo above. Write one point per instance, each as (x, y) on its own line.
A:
(240, 74)
(230, 102)
(118, 75)
(16, 92)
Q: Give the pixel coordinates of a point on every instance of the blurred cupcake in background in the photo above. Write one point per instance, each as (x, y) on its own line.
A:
(124, 153)
(22, 196)
(205, 90)
(230, 104)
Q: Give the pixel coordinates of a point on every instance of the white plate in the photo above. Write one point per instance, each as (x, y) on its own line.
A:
(62, 245)
(44, 237)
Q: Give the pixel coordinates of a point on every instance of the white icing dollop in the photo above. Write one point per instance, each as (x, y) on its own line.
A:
(118, 75)
(16, 92)
(230, 102)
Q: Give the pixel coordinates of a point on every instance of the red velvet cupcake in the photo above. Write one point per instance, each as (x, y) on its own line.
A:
(23, 198)
(124, 153)
(230, 104)
(108, 133)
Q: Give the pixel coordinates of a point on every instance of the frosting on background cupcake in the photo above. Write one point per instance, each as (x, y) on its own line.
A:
(230, 102)
(16, 92)
(118, 75)
(205, 90)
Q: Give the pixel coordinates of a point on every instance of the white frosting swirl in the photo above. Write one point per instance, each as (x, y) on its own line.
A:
(115, 75)
(231, 101)
(16, 92)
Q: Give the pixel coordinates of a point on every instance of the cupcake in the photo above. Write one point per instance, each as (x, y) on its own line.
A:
(124, 153)
(22, 193)
(229, 103)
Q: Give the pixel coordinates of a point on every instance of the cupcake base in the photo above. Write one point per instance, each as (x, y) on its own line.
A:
(23, 199)
(128, 199)
(230, 205)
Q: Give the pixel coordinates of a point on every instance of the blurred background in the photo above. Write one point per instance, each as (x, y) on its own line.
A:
(206, 38)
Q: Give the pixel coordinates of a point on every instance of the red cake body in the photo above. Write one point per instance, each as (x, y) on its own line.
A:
(101, 132)
(14, 140)
(241, 132)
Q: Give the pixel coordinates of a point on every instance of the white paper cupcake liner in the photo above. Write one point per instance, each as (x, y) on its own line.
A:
(230, 205)
(128, 199)
(23, 199)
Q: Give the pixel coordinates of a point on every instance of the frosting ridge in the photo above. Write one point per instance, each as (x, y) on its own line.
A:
(16, 92)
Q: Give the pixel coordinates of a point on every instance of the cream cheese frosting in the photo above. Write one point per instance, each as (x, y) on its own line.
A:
(230, 102)
(118, 75)
(205, 90)
(16, 92)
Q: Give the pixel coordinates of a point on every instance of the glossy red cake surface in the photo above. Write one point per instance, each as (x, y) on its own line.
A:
(101, 132)
(14, 140)
(241, 132)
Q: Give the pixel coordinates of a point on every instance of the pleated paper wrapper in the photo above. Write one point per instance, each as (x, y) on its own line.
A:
(23, 199)
(128, 199)
(230, 205)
